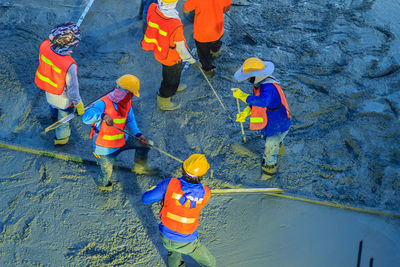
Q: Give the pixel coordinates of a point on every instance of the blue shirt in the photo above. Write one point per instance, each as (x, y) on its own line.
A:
(93, 115)
(278, 122)
(158, 193)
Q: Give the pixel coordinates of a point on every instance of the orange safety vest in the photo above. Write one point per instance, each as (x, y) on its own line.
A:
(50, 76)
(259, 118)
(181, 219)
(109, 136)
(158, 33)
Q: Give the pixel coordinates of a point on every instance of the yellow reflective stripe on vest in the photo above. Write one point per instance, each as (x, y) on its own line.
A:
(48, 61)
(151, 40)
(176, 196)
(113, 137)
(256, 120)
(119, 120)
(179, 218)
(46, 80)
(154, 25)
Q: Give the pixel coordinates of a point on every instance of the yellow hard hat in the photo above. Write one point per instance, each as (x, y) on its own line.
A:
(253, 67)
(169, 1)
(196, 165)
(129, 82)
(253, 64)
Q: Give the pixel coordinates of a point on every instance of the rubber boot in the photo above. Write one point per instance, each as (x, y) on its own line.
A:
(268, 170)
(181, 87)
(164, 103)
(215, 54)
(107, 188)
(61, 142)
(210, 73)
(282, 149)
(140, 167)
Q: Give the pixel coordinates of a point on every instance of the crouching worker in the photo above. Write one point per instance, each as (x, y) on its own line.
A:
(111, 111)
(57, 74)
(182, 200)
(268, 109)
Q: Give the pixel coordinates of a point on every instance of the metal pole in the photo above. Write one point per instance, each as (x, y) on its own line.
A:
(84, 12)
(359, 253)
(149, 145)
(215, 93)
(246, 190)
(241, 123)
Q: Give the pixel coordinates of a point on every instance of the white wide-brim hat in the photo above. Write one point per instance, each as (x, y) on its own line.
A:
(240, 75)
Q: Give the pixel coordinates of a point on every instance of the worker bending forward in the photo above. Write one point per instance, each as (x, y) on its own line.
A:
(111, 111)
(182, 200)
(58, 76)
(164, 36)
(208, 29)
(268, 108)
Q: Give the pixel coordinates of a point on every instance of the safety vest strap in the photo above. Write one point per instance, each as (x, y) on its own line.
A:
(52, 70)
(180, 219)
(109, 136)
(158, 32)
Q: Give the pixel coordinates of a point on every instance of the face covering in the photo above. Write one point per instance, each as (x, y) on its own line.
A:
(168, 10)
(117, 95)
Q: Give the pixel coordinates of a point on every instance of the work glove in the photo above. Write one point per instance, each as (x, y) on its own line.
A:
(241, 117)
(80, 108)
(109, 121)
(237, 93)
(142, 140)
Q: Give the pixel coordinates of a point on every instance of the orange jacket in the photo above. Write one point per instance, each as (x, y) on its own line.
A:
(50, 76)
(109, 136)
(158, 33)
(259, 118)
(181, 219)
(209, 18)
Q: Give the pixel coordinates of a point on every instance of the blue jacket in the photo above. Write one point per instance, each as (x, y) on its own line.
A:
(158, 193)
(93, 115)
(278, 122)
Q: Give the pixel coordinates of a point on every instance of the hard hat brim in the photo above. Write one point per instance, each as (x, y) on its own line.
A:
(268, 70)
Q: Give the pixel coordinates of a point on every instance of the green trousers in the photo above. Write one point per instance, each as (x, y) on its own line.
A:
(194, 249)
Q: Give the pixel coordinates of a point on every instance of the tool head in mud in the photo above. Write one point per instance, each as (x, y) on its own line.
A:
(195, 167)
(65, 36)
(253, 67)
(129, 82)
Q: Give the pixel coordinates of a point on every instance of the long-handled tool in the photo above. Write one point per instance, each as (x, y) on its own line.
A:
(241, 123)
(212, 88)
(149, 145)
(84, 12)
(248, 34)
(71, 116)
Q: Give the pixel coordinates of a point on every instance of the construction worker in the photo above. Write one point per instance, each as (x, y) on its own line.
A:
(268, 109)
(182, 200)
(111, 111)
(57, 74)
(164, 36)
(208, 29)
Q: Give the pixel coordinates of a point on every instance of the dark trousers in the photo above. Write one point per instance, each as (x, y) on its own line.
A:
(171, 79)
(203, 50)
(106, 162)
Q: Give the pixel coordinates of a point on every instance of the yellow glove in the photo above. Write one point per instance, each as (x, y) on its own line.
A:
(241, 117)
(80, 108)
(237, 93)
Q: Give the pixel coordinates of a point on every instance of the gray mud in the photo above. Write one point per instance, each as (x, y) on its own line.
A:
(338, 62)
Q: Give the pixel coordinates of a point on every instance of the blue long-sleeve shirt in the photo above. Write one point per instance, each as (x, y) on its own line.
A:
(269, 97)
(93, 115)
(158, 193)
